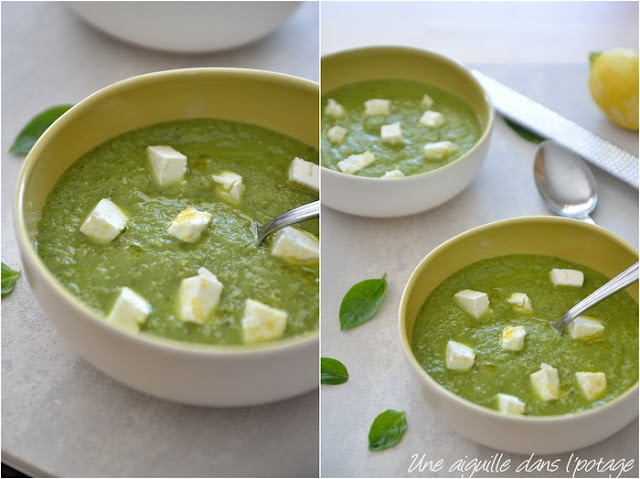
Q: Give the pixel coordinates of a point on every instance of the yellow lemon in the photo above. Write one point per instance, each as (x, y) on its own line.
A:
(613, 82)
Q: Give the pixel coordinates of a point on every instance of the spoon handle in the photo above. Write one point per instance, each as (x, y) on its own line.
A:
(296, 215)
(624, 279)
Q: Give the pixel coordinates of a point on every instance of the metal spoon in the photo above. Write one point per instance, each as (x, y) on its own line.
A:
(296, 215)
(565, 182)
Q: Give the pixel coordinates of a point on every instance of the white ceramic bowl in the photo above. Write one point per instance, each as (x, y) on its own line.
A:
(377, 197)
(178, 371)
(186, 27)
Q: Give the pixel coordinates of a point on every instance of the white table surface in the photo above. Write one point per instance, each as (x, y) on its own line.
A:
(553, 72)
(60, 416)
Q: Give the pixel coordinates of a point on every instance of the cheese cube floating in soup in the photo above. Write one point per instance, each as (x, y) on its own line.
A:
(546, 383)
(189, 224)
(584, 327)
(567, 277)
(305, 173)
(427, 101)
(432, 119)
(592, 385)
(439, 150)
(262, 323)
(377, 107)
(295, 246)
(393, 174)
(355, 163)
(391, 134)
(105, 222)
(198, 296)
(508, 404)
(337, 134)
(459, 357)
(513, 338)
(167, 165)
(230, 185)
(129, 311)
(520, 302)
(334, 108)
(475, 303)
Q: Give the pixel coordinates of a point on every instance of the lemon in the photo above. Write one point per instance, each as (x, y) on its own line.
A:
(613, 82)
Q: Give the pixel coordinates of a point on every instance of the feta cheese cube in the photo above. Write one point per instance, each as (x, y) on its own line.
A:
(546, 383)
(262, 323)
(584, 327)
(459, 357)
(508, 404)
(567, 277)
(520, 302)
(230, 185)
(393, 174)
(189, 224)
(355, 163)
(513, 338)
(129, 311)
(475, 303)
(439, 150)
(167, 165)
(432, 119)
(591, 385)
(334, 108)
(377, 107)
(391, 134)
(105, 222)
(337, 134)
(427, 101)
(305, 173)
(198, 296)
(295, 246)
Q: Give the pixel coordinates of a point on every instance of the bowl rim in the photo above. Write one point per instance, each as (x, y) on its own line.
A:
(453, 62)
(465, 403)
(142, 339)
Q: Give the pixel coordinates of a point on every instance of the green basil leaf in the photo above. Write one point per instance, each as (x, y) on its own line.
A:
(332, 371)
(524, 133)
(9, 277)
(35, 128)
(387, 430)
(362, 302)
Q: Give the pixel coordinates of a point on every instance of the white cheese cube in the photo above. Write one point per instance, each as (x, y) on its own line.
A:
(439, 150)
(459, 357)
(427, 101)
(473, 302)
(189, 224)
(355, 163)
(262, 323)
(546, 382)
(391, 134)
(105, 222)
(393, 174)
(567, 277)
(295, 246)
(377, 107)
(198, 296)
(432, 119)
(584, 327)
(334, 108)
(520, 302)
(592, 385)
(508, 404)
(337, 134)
(513, 338)
(305, 173)
(167, 165)
(230, 185)
(129, 311)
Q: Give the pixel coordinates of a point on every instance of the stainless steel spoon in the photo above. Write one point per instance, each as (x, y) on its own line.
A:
(296, 215)
(565, 182)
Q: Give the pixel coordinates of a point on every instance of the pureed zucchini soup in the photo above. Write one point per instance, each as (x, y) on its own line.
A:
(393, 128)
(153, 228)
(485, 334)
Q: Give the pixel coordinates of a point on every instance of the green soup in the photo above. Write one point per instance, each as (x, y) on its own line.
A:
(495, 370)
(151, 262)
(461, 126)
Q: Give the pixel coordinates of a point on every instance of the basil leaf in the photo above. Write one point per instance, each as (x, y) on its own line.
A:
(362, 302)
(9, 277)
(332, 371)
(524, 133)
(387, 430)
(35, 128)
